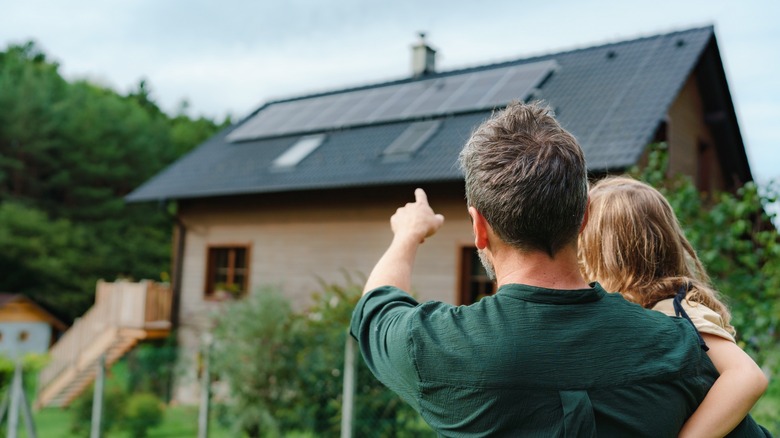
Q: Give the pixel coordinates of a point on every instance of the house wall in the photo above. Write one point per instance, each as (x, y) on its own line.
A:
(23, 329)
(18, 338)
(691, 147)
(295, 241)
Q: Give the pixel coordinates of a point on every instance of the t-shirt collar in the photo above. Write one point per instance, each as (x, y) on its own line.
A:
(552, 296)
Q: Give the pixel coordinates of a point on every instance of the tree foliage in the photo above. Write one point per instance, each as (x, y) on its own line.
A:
(69, 153)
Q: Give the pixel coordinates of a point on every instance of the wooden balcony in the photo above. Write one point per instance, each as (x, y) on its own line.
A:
(124, 314)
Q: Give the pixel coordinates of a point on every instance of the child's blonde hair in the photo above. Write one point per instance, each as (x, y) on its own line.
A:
(633, 244)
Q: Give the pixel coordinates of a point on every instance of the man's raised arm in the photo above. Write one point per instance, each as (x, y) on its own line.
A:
(411, 225)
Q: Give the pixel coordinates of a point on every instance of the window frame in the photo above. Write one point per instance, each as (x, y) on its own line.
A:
(210, 280)
(466, 275)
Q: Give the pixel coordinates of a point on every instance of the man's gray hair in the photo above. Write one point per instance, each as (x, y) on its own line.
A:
(527, 176)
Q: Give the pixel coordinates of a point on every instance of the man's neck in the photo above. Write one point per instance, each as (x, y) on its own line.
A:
(538, 269)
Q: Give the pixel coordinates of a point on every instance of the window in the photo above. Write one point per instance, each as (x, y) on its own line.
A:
(297, 152)
(474, 283)
(24, 336)
(227, 271)
(412, 139)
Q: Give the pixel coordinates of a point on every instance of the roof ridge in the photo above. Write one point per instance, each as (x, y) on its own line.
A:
(618, 42)
(497, 64)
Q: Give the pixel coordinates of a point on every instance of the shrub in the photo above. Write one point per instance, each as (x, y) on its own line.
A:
(113, 410)
(143, 412)
(285, 370)
(254, 350)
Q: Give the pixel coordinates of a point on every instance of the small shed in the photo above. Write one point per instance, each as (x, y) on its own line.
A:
(25, 326)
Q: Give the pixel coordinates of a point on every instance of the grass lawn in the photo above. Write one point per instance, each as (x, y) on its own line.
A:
(179, 422)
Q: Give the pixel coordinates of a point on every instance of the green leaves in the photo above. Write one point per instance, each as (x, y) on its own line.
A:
(285, 369)
(70, 152)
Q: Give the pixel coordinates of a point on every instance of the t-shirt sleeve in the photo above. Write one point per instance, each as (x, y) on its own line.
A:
(381, 324)
(705, 319)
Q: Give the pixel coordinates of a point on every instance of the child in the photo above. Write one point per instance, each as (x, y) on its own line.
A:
(633, 243)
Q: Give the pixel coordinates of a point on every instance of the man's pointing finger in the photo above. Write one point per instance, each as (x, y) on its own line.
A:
(420, 196)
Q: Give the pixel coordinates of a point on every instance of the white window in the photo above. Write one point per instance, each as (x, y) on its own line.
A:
(298, 151)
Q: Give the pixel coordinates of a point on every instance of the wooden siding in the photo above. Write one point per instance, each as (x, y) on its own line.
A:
(687, 132)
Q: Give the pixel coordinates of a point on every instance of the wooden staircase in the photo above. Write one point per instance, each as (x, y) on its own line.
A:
(124, 314)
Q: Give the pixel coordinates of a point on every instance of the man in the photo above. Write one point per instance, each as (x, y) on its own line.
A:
(548, 355)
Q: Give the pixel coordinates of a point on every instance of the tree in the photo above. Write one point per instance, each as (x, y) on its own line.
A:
(41, 257)
(71, 151)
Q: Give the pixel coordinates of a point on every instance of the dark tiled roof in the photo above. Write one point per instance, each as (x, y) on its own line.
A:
(611, 97)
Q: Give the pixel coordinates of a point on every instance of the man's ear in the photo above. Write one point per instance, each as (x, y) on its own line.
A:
(585, 217)
(480, 227)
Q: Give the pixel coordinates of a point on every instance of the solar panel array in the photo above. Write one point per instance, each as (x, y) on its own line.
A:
(470, 91)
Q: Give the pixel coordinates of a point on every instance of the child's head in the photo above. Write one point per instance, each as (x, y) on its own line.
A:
(633, 244)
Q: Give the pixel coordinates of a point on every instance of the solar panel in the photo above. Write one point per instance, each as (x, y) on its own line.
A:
(375, 97)
(391, 109)
(455, 93)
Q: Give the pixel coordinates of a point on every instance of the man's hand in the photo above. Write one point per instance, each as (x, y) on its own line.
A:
(411, 224)
(416, 220)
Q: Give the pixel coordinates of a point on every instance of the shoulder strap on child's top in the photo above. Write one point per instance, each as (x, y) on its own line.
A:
(679, 311)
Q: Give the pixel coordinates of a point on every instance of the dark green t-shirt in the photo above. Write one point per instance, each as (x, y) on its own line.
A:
(530, 361)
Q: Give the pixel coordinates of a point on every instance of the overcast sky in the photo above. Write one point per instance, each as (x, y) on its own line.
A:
(227, 57)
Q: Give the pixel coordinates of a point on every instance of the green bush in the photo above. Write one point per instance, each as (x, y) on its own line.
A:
(285, 369)
(254, 351)
(113, 410)
(150, 367)
(378, 411)
(32, 363)
(143, 412)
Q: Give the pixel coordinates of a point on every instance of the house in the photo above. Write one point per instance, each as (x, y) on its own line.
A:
(302, 189)
(26, 327)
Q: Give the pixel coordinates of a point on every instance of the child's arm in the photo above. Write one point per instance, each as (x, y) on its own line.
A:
(740, 385)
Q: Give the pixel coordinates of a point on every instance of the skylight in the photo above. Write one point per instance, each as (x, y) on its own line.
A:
(410, 140)
(298, 151)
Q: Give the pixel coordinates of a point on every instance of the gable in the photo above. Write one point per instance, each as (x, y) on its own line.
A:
(18, 308)
(611, 98)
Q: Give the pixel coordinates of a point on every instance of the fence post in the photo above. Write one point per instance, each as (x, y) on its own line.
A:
(16, 399)
(97, 398)
(348, 397)
(29, 424)
(205, 384)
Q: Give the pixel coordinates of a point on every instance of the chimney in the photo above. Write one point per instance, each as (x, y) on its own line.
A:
(423, 58)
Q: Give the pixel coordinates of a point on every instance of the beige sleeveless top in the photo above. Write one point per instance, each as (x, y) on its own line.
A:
(705, 319)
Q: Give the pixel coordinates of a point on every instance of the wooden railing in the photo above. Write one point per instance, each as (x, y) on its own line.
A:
(119, 305)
